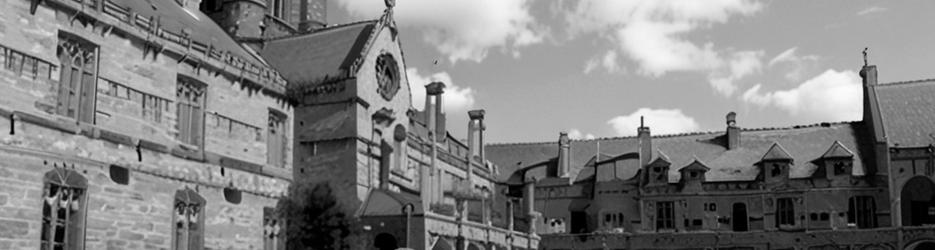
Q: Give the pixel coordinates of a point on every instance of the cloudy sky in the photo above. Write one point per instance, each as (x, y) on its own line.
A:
(592, 68)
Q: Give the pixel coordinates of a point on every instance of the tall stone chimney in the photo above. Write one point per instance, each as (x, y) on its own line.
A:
(435, 90)
(646, 143)
(564, 155)
(733, 132)
(869, 75)
(477, 119)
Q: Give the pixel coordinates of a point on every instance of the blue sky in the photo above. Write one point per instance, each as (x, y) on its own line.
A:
(594, 67)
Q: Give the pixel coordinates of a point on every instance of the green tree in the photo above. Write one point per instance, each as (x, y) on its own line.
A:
(314, 219)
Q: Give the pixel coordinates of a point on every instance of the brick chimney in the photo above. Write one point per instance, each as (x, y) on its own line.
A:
(646, 143)
(733, 132)
(564, 156)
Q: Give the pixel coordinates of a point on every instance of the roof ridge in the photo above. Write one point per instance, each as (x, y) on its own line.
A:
(907, 82)
(820, 124)
(322, 30)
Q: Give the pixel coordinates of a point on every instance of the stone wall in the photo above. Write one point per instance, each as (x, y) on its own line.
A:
(138, 214)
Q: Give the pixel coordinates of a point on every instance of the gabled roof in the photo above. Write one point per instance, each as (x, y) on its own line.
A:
(908, 109)
(837, 150)
(661, 158)
(776, 152)
(310, 59)
(806, 143)
(695, 165)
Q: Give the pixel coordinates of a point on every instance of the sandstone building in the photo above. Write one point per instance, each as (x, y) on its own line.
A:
(136, 125)
(179, 124)
(850, 185)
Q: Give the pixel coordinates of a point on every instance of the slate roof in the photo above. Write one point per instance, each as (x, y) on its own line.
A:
(324, 54)
(908, 109)
(201, 28)
(806, 143)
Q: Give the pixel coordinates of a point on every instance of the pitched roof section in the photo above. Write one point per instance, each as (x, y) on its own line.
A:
(776, 152)
(310, 59)
(908, 109)
(199, 26)
(837, 150)
(695, 165)
(806, 143)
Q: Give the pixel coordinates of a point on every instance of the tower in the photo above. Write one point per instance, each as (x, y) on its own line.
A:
(252, 21)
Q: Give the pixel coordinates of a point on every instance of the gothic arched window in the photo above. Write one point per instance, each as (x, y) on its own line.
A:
(63, 209)
(188, 220)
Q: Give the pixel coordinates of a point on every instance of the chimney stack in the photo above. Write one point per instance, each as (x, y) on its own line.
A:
(646, 143)
(733, 132)
(477, 119)
(436, 90)
(564, 156)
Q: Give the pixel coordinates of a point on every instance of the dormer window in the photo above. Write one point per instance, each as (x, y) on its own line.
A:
(776, 170)
(693, 174)
(840, 168)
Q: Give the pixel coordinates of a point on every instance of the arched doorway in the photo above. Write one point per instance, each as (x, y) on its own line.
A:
(385, 241)
(921, 245)
(739, 217)
(917, 204)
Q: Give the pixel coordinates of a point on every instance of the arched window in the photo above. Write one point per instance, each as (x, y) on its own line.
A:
(273, 230)
(189, 220)
(63, 210)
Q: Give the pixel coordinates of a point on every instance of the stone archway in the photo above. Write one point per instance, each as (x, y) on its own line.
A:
(918, 201)
(385, 241)
(921, 245)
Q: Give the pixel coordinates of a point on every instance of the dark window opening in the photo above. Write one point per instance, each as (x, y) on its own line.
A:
(63, 210)
(862, 212)
(785, 212)
(188, 220)
(840, 168)
(776, 171)
(665, 215)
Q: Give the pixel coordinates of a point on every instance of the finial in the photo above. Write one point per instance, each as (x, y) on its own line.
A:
(641, 121)
(865, 56)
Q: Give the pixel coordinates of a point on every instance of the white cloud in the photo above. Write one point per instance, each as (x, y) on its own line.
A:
(456, 99)
(652, 33)
(660, 121)
(462, 30)
(608, 62)
(795, 65)
(871, 9)
(576, 134)
(830, 96)
(741, 64)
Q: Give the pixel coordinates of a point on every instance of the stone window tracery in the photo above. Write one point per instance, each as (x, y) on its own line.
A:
(188, 220)
(78, 82)
(387, 74)
(63, 210)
